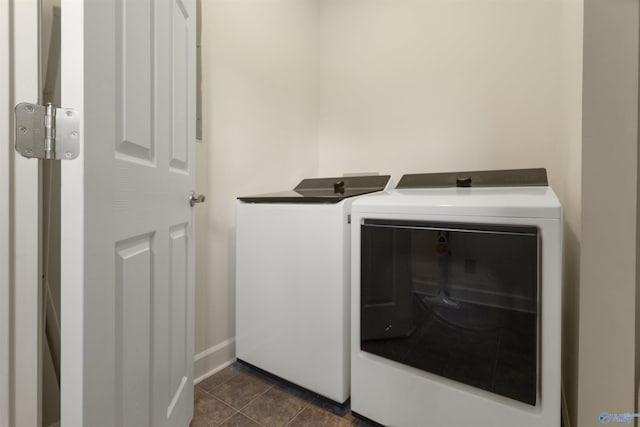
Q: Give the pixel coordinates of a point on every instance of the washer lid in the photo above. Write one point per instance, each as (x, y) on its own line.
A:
(324, 190)
(495, 178)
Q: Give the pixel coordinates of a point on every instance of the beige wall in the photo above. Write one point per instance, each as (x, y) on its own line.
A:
(416, 86)
(609, 198)
(260, 62)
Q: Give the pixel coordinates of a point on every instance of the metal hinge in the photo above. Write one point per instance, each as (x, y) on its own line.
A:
(47, 132)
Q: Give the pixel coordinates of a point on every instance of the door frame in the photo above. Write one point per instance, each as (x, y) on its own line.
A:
(5, 393)
(20, 360)
(72, 224)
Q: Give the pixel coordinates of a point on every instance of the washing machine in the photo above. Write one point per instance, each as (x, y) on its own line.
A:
(456, 301)
(292, 281)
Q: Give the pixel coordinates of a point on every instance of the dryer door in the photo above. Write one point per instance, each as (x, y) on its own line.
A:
(456, 300)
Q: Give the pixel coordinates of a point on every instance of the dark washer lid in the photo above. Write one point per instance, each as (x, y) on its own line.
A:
(324, 190)
(497, 178)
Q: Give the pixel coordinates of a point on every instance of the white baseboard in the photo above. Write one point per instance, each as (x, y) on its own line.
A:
(214, 359)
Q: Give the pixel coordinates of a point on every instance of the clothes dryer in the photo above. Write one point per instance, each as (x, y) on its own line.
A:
(456, 301)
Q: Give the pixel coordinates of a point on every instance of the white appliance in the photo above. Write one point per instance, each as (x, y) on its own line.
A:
(456, 301)
(292, 281)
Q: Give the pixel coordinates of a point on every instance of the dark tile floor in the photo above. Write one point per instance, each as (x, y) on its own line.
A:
(240, 396)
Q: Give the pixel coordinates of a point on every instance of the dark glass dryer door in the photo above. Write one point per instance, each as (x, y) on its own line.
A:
(456, 300)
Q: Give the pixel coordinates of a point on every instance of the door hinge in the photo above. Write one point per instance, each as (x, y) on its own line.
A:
(47, 132)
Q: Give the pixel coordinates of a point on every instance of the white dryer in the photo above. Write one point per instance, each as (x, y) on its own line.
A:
(456, 301)
(292, 281)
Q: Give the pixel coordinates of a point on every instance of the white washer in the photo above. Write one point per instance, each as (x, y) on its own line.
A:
(292, 281)
(445, 368)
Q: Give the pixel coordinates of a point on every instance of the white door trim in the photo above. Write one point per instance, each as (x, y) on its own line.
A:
(24, 228)
(5, 150)
(72, 224)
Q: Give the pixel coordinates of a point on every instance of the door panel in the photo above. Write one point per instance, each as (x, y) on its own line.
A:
(178, 319)
(134, 79)
(134, 288)
(179, 146)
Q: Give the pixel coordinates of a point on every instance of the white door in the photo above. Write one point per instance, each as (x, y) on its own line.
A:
(127, 226)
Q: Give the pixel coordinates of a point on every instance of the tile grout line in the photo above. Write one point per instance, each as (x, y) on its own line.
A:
(235, 373)
(216, 386)
(295, 416)
(252, 419)
(237, 411)
(228, 418)
(205, 391)
(213, 396)
(224, 403)
(307, 404)
(254, 398)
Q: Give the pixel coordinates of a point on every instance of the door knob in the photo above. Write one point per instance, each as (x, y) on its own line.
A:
(195, 198)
